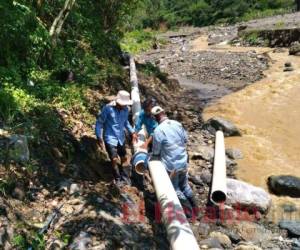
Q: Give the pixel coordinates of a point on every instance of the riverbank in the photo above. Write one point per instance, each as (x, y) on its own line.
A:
(250, 87)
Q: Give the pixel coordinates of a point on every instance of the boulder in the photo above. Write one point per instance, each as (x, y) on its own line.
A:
(295, 49)
(217, 123)
(222, 238)
(234, 237)
(234, 154)
(203, 152)
(195, 180)
(288, 69)
(16, 148)
(206, 176)
(252, 232)
(284, 185)
(288, 64)
(293, 227)
(210, 243)
(241, 194)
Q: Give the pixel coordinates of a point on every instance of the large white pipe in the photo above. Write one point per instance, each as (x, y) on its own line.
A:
(179, 232)
(218, 189)
(135, 93)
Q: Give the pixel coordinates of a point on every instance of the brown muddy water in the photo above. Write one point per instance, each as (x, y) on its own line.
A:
(268, 114)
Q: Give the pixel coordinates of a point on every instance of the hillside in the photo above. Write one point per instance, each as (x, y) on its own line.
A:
(61, 61)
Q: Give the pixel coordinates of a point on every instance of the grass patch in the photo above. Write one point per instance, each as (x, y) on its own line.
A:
(256, 14)
(138, 41)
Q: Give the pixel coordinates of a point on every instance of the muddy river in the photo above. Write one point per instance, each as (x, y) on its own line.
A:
(268, 114)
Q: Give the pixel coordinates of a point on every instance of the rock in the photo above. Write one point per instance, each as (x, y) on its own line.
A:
(234, 154)
(45, 192)
(279, 50)
(3, 237)
(296, 244)
(196, 180)
(241, 194)
(18, 193)
(206, 176)
(3, 211)
(289, 208)
(230, 163)
(222, 238)
(64, 185)
(3, 133)
(288, 64)
(234, 237)
(293, 227)
(252, 232)
(287, 69)
(173, 83)
(218, 123)
(74, 188)
(247, 247)
(203, 229)
(81, 242)
(294, 49)
(285, 185)
(57, 154)
(17, 148)
(204, 152)
(57, 245)
(210, 243)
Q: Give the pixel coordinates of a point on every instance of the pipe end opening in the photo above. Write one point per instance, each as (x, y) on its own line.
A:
(218, 197)
(140, 168)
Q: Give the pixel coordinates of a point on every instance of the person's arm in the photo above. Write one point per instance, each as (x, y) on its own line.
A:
(101, 119)
(130, 130)
(139, 123)
(156, 148)
(147, 142)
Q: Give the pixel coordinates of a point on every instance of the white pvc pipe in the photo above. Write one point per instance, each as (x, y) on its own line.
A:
(179, 232)
(218, 189)
(135, 93)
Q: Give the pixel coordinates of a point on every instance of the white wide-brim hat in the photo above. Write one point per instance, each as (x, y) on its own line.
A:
(156, 110)
(123, 98)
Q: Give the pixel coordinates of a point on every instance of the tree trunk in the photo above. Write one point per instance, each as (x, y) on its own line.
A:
(58, 22)
(298, 5)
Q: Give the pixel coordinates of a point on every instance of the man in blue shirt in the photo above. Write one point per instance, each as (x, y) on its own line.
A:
(145, 118)
(110, 126)
(169, 144)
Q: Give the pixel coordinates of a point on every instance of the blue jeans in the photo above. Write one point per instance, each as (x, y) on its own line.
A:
(181, 185)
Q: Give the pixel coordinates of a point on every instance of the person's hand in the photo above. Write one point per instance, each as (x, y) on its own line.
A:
(134, 137)
(101, 143)
(145, 146)
(172, 174)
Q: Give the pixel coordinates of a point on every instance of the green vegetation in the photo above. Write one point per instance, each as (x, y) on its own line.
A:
(137, 41)
(251, 37)
(171, 13)
(36, 242)
(49, 63)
